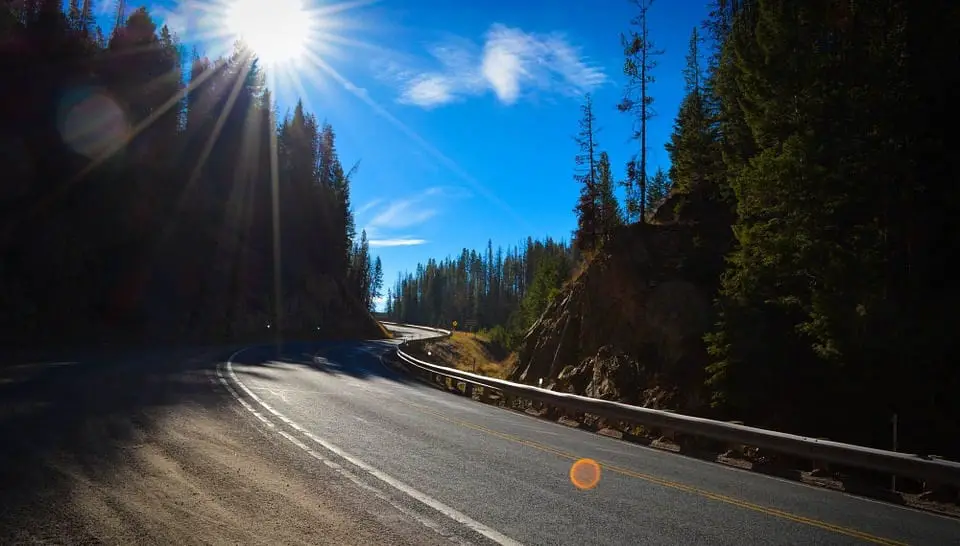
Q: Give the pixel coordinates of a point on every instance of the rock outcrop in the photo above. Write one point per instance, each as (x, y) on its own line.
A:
(630, 327)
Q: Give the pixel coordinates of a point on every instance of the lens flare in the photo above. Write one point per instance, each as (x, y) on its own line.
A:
(91, 121)
(585, 474)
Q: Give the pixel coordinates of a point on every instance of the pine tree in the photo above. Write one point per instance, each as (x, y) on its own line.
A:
(607, 206)
(546, 283)
(87, 21)
(361, 271)
(631, 186)
(589, 228)
(376, 282)
(657, 190)
(694, 146)
(145, 73)
(640, 60)
(74, 14)
(331, 175)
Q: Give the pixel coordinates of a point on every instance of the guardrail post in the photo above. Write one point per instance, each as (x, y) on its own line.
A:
(821, 468)
(738, 448)
(937, 490)
(668, 434)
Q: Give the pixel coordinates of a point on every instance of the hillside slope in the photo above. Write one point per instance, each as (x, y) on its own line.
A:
(466, 351)
(630, 327)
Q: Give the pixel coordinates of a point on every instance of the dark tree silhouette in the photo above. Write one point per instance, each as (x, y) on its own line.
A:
(134, 209)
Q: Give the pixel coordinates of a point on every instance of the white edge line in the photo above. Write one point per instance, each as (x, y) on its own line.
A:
(426, 522)
(425, 499)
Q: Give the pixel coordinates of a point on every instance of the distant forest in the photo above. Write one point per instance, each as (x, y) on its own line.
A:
(139, 203)
(504, 290)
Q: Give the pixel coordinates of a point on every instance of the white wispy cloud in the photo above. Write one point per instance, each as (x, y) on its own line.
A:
(360, 91)
(451, 192)
(396, 242)
(402, 213)
(510, 63)
(367, 206)
(392, 221)
(428, 90)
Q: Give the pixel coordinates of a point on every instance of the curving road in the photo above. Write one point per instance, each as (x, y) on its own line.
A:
(323, 443)
(508, 475)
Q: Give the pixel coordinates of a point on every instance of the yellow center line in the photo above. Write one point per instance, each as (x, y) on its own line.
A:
(671, 484)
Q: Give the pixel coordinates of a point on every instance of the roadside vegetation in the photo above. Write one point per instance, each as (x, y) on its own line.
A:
(469, 352)
(788, 268)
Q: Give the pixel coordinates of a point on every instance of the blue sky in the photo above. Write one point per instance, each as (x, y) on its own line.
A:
(462, 112)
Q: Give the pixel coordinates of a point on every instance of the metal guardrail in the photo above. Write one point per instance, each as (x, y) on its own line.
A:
(900, 464)
(438, 330)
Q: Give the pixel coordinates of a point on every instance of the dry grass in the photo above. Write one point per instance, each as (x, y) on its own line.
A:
(471, 353)
(387, 334)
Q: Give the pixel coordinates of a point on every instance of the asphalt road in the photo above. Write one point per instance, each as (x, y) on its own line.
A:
(323, 443)
(510, 472)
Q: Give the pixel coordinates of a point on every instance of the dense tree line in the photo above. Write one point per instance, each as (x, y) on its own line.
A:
(140, 203)
(816, 128)
(506, 290)
(819, 122)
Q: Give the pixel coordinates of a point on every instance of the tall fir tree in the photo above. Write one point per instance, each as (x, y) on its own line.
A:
(657, 189)
(376, 282)
(589, 228)
(361, 271)
(631, 187)
(608, 208)
(639, 62)
(694, 145)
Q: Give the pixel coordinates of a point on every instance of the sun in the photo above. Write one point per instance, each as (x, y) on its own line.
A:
(278, 31)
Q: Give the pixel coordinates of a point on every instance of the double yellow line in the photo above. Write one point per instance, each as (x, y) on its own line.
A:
(671, 484)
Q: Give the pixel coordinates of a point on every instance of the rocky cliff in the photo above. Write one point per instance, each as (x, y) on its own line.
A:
(629, 327)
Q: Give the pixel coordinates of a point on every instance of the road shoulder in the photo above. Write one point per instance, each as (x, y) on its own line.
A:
(177, 462)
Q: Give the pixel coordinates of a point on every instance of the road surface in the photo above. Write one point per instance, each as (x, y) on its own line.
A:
(324, 443)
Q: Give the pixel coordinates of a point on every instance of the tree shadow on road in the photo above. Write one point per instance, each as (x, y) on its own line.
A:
(356, 360)
(58, 420)
(73, 428)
